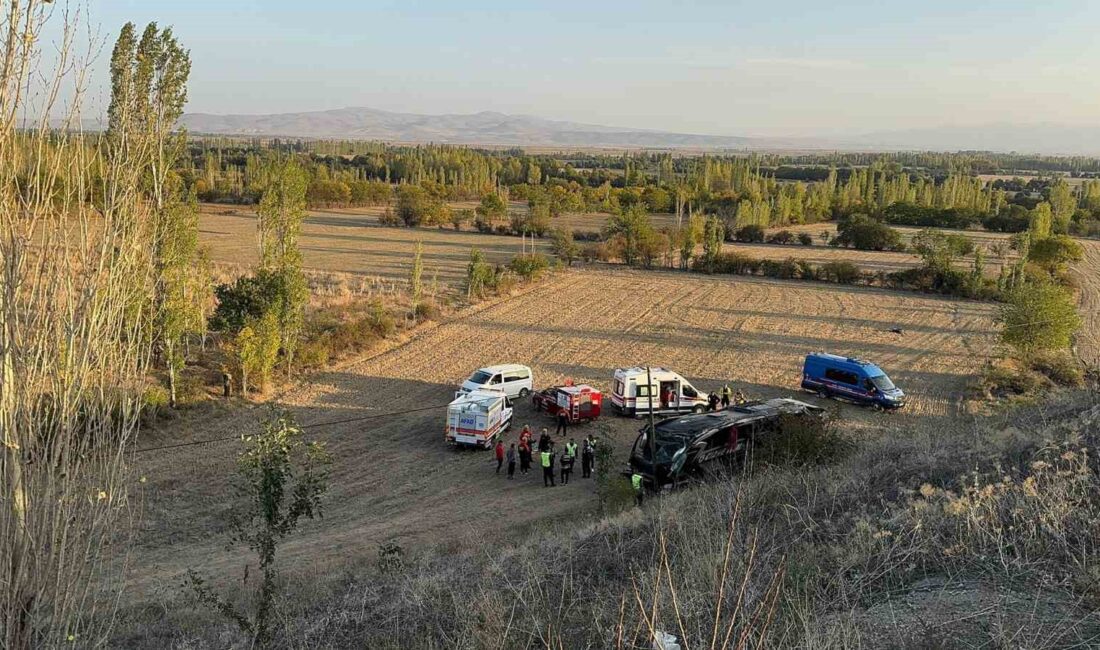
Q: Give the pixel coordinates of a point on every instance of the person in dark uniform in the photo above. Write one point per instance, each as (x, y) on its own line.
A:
(588, 454)
(563, 422)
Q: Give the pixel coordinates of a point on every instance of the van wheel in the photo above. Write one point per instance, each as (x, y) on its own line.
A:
(698, 408)
(524, 393)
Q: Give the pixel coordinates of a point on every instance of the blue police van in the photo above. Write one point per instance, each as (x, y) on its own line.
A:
(856, 380)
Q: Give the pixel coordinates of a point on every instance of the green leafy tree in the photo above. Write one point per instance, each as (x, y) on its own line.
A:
(713, 236)
(281, 480)
(257, 349)
(563, 246)
(492, 207)
(480, 275)
(1041, 222)
(282, 209)
(1062, 206)
(148, 93)
(1039, 316)
(629, 227)
(1055, 253)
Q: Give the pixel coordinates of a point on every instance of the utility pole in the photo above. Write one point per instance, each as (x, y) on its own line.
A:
(652, 436)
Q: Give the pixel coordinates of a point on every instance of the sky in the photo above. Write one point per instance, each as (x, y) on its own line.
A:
(793, 68)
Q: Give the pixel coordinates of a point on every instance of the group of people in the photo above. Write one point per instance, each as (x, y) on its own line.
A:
(525, 451)
(727, 395)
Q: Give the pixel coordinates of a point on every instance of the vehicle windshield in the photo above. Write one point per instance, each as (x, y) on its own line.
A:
(666, 448)
(882, 382)
(480, 377)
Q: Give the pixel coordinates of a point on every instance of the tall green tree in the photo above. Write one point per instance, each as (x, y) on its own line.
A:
(1062, 206)
(1039, 316)
(1042, 221)
(628, 229)
(148, 93)
(281, 210)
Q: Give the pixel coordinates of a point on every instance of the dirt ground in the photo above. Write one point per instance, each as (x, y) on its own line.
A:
(395, 479)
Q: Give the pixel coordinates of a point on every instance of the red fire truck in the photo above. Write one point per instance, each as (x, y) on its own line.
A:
(581, 402)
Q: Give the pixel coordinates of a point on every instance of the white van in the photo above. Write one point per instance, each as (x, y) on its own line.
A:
(631, 396)
(515, 380)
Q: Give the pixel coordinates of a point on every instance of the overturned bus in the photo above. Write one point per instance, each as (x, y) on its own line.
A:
(688, 444)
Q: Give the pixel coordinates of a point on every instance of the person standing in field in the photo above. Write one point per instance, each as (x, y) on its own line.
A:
(544, 440)
(566, 465)
(712, 401)
(524, 454)
(512, 462)
(499, 454)
(588, 455)
(639, 489)
(547, 460)
(726, 393)
(563, 422)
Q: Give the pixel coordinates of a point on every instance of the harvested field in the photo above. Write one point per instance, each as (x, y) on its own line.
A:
(1087, 274)
(352, 241)
(395, 479)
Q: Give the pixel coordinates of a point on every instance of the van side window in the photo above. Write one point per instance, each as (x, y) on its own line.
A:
(643, 391)
(495, 379)
(515, 376)
(689, 391)
(842, 376)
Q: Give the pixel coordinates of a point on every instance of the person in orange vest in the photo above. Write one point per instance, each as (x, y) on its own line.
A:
(500, 454)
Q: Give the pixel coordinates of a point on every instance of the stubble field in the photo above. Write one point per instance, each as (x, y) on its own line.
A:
(394, 478)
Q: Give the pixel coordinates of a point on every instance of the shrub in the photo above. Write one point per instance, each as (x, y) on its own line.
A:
(563, 246)
(249, 297)
(840, 272)
(805, 238)
(154, 398)
(1039, 316)
(1060, 367)
(802, 440)
(425, 310)
(1054, 253)
(380, 320)
(783, 269)
(749, 234)
(781, 237)
(529, 267)
(313, 353)
(908, 214)
(863, 233)
(389, 218)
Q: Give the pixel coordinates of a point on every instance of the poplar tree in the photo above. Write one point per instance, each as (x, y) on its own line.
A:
(281, 210)
(148, 92)
(1062, 205)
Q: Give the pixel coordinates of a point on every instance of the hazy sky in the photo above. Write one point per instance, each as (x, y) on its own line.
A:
(732, 68)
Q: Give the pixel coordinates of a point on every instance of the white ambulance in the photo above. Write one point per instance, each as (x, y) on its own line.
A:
(476, 418)
(668, 394)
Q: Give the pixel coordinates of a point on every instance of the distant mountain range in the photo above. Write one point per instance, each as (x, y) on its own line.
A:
(500, 129)
(486, 128)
